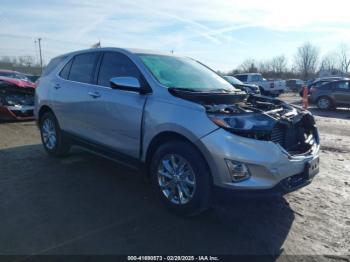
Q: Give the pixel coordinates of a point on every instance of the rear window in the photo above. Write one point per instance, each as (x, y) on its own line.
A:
(242, 78)
(83, 68)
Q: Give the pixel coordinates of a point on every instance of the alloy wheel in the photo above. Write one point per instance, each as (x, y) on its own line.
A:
(49, 133)
(176, 179)
(324, 103)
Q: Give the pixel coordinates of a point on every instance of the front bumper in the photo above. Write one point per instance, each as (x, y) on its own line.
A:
(269, 164)
(16, 113)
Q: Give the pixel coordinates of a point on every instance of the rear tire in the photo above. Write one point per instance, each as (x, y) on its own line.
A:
(178, 166)
(55, 144)
(324, 103)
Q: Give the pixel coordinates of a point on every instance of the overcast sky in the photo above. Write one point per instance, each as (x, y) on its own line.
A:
(220, 33)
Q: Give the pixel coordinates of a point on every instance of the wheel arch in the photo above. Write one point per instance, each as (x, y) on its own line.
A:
(44, 109)
(166, 136)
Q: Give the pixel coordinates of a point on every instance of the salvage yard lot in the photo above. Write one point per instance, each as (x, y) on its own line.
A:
(84, 204)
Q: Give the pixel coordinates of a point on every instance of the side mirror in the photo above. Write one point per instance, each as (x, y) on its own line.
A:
(126, 83)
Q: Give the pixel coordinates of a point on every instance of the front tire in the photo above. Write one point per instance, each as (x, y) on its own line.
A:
(55, 144)
(181, 178)
(324, 103)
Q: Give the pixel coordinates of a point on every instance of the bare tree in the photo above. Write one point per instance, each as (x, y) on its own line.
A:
(279, 64)
(248, 65)
(329, 62)
(264, 67)
(306, 59)
(344, 58)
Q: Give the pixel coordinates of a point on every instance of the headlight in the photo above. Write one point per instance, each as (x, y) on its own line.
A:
(243, 122)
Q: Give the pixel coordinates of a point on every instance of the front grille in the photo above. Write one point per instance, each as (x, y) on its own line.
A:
(19, 113)
(278, 135)
(294, 139)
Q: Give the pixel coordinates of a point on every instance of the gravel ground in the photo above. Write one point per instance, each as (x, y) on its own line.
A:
(84, 204)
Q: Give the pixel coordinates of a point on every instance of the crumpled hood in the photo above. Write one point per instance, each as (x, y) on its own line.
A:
(18, 82)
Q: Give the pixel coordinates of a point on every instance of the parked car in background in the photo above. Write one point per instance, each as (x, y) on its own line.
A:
(331, 94)
(273, 88)
(16, 99)
(294, 84)
(320, 81)
(14, 74)
(32, 78)
(250, 89)
(190, 129)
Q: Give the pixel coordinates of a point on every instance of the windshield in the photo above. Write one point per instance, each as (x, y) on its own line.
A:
(184, 73)
(233, 80)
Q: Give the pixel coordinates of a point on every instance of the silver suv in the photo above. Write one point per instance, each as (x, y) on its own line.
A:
(188, 126)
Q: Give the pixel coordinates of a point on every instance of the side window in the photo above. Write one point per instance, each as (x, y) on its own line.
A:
(342, 85)
(242, 78)
(83, 68)
(116, 64)
(65, 70)
(256, 78)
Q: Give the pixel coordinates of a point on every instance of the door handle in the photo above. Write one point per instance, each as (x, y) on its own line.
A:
(94, 94)
(57, 86)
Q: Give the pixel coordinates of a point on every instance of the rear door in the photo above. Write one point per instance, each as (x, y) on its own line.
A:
(116, 115)
(341, 92)
(71, 93)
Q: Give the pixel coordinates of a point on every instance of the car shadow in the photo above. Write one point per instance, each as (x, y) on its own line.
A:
(85, 204)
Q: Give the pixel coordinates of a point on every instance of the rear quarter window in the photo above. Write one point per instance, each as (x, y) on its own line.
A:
(52, 65)
(66, 69)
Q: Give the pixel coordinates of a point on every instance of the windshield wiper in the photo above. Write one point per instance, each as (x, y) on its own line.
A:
(185, 89)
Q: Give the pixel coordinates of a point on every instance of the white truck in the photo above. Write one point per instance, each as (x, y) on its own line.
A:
(273, 88)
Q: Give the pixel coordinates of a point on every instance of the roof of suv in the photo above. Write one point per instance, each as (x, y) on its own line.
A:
(130, 50)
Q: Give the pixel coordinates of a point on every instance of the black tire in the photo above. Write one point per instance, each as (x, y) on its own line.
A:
(62, 146)
(324, 103)
(201, 198)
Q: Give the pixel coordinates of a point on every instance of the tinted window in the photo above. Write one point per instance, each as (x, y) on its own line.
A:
(83, 68)
(65, 71)
(52, 65)
(256, 78)
(320, 83)
(115, 65)
(342, 85)
(242, 78)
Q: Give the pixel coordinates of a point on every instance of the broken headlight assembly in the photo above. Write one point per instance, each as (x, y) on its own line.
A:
(244, 123)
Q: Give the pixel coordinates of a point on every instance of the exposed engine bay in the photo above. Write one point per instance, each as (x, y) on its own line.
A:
(260, 117)
(18, 101)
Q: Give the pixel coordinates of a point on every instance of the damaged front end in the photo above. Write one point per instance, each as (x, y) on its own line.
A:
(268, 119)
(259, 117)
(16, 102)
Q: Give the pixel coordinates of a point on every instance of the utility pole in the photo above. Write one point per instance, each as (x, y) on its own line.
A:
(41, 58)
